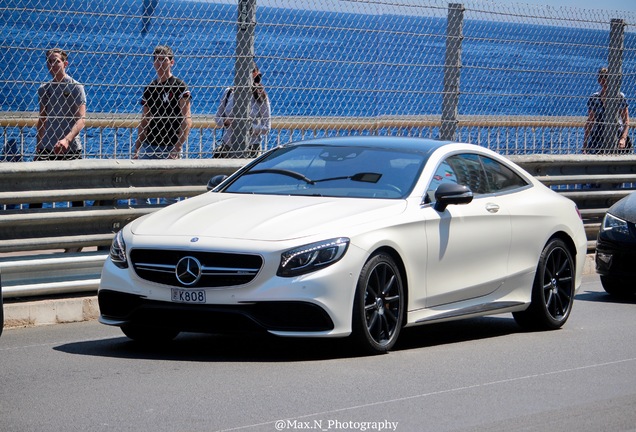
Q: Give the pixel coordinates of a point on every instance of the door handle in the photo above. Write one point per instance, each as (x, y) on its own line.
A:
(492, 207)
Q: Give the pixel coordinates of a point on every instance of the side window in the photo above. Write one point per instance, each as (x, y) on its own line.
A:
(443, 174)
(481, 174)
(500, 177)
(470, 172)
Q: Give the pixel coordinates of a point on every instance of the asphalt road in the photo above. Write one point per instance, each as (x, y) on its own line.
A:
(475, 375)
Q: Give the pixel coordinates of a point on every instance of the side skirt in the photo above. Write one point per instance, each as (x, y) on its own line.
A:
(477, 310)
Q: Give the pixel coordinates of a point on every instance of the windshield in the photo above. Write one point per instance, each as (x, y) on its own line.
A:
(320, 170)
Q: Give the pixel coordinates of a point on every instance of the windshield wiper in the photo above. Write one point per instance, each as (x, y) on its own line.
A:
(288, 173)
(365, 177)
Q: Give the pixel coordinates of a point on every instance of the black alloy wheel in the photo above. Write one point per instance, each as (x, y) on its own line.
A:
(553, 289)
(378, 310)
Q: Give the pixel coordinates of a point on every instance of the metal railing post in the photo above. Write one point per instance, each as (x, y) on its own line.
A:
(452, 68)
(243, 76)
(614, 79)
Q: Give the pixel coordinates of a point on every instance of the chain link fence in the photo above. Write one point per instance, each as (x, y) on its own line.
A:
(509, 76)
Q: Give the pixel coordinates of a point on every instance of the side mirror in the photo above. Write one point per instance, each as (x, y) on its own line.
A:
(451, 193)
(215, 181)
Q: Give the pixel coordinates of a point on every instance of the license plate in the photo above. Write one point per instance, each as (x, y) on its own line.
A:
(188, 296)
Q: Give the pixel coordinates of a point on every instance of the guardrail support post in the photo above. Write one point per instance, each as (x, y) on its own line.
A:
(452, 68)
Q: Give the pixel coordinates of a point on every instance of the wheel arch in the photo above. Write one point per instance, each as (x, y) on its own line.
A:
(569, 242)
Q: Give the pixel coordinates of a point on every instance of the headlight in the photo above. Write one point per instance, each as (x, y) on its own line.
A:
(118, 251)
(614, 224)
(312, 257)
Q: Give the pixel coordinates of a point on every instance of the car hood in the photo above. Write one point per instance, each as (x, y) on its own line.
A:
(264, 217)
(625, 208)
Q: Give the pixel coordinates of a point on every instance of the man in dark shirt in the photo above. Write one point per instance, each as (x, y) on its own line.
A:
(595, 125)
(166, 117)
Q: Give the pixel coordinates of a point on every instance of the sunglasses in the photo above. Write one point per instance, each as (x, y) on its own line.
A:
(257, 79)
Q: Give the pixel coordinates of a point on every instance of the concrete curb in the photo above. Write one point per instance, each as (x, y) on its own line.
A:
(46, 312)
(58, 311)
(589, 268)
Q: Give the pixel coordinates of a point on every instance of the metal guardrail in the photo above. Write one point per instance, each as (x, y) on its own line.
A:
(31, 240)
(40, 275)
(96, 181)
(30, 230)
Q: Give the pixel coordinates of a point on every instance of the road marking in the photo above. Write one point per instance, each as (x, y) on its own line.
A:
(436, 393)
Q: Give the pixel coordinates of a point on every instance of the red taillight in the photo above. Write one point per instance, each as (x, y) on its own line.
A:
(578, 211)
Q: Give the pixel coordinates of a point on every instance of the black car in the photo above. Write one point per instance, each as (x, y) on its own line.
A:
(616, 248)
(1, 310)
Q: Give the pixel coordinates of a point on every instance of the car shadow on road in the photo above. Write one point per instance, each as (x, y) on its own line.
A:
(198, 347)
(457, 332)
(263, 348)
(603, 297)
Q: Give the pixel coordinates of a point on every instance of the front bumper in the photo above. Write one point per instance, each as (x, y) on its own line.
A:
(317, 304)
(615, 259)
(119, 309)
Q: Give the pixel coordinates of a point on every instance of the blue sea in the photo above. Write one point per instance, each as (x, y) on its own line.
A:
(314, 62)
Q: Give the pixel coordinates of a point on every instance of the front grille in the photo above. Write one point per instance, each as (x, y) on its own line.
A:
(217, 269)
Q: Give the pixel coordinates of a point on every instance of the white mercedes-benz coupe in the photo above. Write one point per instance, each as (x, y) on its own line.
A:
(349, 237)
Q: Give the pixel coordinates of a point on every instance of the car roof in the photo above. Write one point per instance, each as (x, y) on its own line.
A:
(424, 145)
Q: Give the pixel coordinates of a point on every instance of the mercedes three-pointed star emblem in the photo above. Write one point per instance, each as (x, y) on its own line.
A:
(188, 270)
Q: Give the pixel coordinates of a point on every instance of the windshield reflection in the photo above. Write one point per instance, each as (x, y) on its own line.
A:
(337, 171)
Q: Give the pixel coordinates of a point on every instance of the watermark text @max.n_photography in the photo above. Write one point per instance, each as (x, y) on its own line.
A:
(328, 425)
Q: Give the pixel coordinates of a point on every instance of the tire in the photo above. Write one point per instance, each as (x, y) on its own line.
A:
(379, 303)
(552, 290)
(617, 287)
(148, 335)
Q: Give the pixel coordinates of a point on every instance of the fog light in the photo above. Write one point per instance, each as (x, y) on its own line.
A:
(604, 258)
